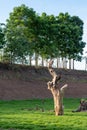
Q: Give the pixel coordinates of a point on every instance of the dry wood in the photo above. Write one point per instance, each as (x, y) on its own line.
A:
(82, 107)
(56, 91)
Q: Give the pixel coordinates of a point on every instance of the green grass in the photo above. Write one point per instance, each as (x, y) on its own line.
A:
(28, 115)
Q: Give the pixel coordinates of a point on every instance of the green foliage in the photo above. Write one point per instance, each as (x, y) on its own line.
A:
(28, 114)
(49, 36)
(20, 32)
(2, 36)
(70, 36)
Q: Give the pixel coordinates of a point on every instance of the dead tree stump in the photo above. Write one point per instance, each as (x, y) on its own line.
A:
(56, 91)
(82, 106)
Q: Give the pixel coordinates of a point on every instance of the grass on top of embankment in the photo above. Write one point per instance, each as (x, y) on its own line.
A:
(37, 114)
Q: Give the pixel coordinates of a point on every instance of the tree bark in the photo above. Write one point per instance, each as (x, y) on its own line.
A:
(36, 59)
(42, 61)
(73, 64)
(56, 91)
(82, 106)
(69, 63)
(30, 60)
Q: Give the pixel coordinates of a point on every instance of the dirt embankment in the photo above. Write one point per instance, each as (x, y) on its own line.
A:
(24, 82)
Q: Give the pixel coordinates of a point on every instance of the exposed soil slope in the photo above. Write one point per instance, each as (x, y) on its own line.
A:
(23, 82)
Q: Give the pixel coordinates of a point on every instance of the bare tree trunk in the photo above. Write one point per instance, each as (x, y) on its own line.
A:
(56, 91)
(57, 62)
(64, 63)
(36, 59)
(42, 61)
(30, 60)
(69, 63)
(73, 64)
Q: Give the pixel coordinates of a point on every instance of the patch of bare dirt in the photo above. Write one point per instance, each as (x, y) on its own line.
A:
(24, 82)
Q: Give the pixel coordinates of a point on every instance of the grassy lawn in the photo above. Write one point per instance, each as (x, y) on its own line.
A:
(39, 115)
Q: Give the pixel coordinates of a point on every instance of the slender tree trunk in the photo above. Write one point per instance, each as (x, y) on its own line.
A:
(36, 59)
(30, 60)
(69, 63)
(73, 64)
(64, 63)
(56, 91)
(58, 62)
(42, 61)
(63, 60)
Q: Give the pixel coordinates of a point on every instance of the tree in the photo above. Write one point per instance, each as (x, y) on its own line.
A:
(20, 32)
(47, 36)
(43, 44)
(2, 36)
(70, 44)
(60, 36)
(56, 90)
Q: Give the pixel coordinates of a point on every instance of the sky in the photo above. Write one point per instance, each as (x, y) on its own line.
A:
(73, 7)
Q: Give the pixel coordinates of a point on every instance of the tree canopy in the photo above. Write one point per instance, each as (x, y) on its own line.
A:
(49, 36)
